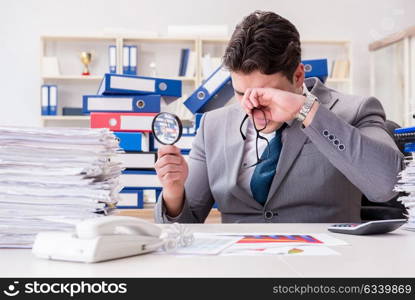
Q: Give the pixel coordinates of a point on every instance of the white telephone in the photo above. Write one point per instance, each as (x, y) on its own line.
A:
(100, 239)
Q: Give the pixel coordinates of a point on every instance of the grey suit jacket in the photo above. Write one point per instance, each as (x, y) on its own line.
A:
(321, 174)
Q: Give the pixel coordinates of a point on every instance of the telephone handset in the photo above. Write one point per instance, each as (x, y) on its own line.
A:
(100, 239)
(116, 225)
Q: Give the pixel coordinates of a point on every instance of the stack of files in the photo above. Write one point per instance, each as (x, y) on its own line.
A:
(127, 105)
(406, 178)
(49, 174)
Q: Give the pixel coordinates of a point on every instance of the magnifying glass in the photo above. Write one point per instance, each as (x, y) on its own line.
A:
(167, 128)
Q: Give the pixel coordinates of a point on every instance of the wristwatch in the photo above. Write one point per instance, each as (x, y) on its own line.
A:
(308, 104)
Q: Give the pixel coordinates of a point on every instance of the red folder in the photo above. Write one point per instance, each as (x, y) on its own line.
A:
(123, 121)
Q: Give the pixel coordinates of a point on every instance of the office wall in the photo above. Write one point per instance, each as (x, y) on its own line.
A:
(23, 21)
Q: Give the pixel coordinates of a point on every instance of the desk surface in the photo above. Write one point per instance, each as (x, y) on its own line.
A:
(388, 255)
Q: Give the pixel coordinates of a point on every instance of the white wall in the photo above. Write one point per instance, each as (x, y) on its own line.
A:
(23, 21)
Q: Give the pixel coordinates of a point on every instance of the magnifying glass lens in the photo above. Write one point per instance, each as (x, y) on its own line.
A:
(167, 128)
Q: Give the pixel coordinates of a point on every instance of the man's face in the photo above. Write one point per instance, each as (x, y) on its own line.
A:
(241, 82)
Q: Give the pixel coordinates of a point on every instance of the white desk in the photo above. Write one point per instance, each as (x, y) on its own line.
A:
(389, 255)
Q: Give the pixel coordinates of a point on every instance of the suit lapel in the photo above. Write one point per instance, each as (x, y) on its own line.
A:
(234, 145)
(293, 138)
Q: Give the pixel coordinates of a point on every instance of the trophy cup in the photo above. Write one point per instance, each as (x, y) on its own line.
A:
(86, 58)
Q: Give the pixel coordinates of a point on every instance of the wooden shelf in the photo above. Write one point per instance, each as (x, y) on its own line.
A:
(161, 39)
(65, 118)
(94, 77)
(78, 37)
(72, 77)
(338, 80)
(182, 78)
(327, 42)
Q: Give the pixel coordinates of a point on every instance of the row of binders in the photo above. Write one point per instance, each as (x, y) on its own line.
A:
(127, 105)
(49, 98)
(406, 178)
(129, 59)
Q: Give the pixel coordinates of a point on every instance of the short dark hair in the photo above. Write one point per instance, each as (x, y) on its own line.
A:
(264, 42)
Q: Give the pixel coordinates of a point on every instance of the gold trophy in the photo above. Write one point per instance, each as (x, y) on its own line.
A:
(86, 58)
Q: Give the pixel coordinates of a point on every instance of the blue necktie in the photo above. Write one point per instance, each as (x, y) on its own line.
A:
(264, 172)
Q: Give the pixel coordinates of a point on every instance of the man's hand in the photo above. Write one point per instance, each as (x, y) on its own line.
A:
(172, 170)
(279, 106)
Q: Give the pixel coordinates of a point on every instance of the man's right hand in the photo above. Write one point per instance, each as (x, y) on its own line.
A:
(172, 170)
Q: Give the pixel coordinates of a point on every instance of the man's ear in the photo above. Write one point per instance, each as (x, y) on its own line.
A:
(298, 78)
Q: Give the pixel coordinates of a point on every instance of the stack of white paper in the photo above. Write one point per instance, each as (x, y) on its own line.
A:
(406, 183)
(49, 174)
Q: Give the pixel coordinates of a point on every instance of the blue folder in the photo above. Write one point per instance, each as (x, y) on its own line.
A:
(112, 58)
(53, 100)
(316, 68)
(132, 141)
(139, 85)
(132, 69)
(214, 93)
(404, 130)
(44, 90)
(106, 103)
(409, 147)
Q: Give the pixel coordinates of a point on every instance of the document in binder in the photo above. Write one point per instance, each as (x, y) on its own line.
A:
(133, 198)
(214, 93)
(100, 103)
(139, 85)
(130, 160)
(139, 179)
(123, 121)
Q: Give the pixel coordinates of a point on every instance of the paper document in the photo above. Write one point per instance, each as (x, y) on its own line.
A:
(207, 245)
(278, 250)
(315, 239)
(54, 173)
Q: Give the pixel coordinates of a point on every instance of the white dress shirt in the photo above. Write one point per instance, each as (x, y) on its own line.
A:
(249, 157)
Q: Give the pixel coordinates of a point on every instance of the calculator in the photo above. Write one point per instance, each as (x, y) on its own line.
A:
(372, 227)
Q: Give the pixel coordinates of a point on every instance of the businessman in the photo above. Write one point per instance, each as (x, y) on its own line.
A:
(290, 150)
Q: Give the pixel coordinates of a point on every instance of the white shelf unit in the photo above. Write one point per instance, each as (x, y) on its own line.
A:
(163, 51)
(332, 50)
(392, 75)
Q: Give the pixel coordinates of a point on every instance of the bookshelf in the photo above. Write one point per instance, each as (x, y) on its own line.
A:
(392, 78)
(164, 53)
